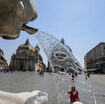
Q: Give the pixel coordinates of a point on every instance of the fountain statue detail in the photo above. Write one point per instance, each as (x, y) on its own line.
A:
(14, 15)
(59, 55)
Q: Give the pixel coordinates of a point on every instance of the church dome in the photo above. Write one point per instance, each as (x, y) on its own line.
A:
(25, 47)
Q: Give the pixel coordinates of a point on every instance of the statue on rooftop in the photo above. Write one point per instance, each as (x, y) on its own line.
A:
(14, 15)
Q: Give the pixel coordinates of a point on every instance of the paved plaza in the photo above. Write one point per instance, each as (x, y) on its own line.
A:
(91, 91)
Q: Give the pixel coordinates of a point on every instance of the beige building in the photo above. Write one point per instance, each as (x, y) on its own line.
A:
(85, 63)
(26, 58)
(95, 59)
(3, 61)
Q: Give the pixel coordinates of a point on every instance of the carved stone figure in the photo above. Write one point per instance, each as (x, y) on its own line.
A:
(34, 97)
(14, 15)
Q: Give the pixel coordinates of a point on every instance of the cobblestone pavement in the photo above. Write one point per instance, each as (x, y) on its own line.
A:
(91, 91)
(98, 85)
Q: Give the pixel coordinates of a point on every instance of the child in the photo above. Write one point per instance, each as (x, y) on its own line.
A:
(74, 96)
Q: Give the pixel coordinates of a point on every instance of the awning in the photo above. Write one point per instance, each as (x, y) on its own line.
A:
(92, 70)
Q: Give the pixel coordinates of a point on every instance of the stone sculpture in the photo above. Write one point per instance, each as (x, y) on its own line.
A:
(14, 15)
(35, 97)
(77, 102)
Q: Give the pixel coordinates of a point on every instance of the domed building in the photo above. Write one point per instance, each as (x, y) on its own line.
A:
(26, 58)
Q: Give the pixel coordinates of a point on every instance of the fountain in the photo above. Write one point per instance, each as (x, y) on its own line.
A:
(59, 55)
(61, 58)
(14, 15)
(35, 97)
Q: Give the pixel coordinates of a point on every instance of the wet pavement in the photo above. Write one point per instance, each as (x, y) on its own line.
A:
(91, 91)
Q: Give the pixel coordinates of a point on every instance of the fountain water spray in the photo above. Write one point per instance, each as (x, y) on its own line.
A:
(61, 58)
(59, 55)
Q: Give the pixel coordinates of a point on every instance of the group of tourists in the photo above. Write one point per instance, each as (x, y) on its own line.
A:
(41, 72)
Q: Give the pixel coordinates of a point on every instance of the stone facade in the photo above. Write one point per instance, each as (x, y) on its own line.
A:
(3, 61)
(26, 58)
(95, 59)
(85, 63)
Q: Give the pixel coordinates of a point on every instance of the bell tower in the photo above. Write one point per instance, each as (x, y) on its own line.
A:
(37, 49)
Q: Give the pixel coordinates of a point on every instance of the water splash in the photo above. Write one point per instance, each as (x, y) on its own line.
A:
(62, 87)
(59, 55)
(61, 58)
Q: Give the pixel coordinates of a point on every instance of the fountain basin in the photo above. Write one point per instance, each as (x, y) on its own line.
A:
(35, 97)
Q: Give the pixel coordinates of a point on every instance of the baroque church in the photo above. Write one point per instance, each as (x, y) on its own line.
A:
(27, 58)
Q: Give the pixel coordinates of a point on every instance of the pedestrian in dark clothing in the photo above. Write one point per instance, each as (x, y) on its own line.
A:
(72, 77)
(88, 74)
(86, 77)
(76, 74)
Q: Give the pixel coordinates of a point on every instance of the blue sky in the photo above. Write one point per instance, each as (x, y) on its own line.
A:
(80, 22)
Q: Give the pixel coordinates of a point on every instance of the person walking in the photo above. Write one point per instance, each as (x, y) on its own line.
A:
(86, 77)
(76, 75)
(74, 95)
(72, 77)
(88, 74)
